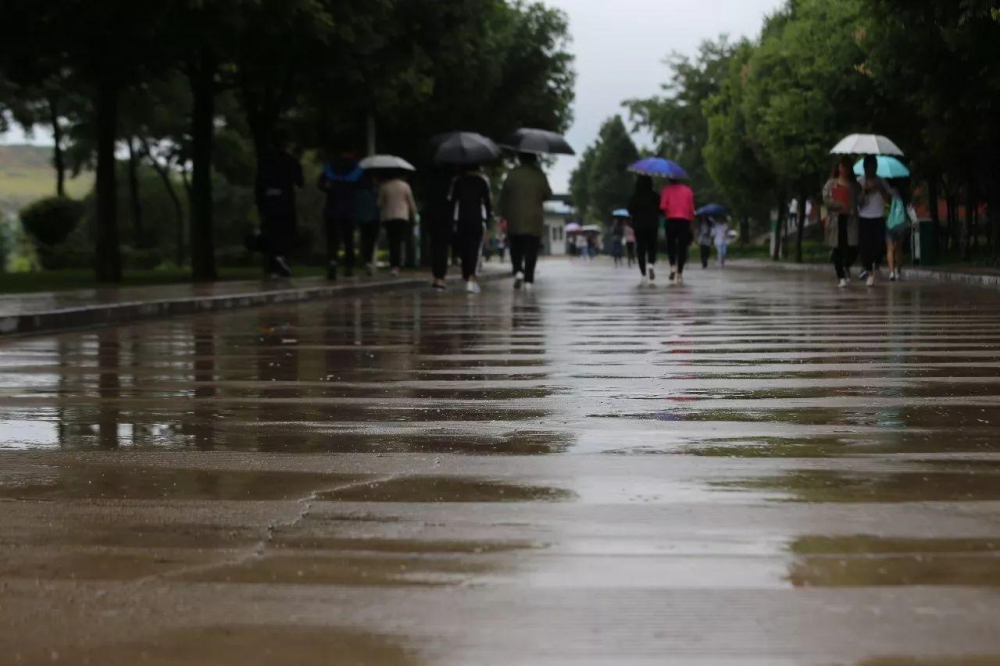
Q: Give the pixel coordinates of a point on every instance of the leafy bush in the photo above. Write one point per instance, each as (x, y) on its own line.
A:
(50, 221)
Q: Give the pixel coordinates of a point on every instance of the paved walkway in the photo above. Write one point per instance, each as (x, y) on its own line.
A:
(756, 468)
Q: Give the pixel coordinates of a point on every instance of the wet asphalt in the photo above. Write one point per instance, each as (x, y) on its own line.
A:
(754, 468)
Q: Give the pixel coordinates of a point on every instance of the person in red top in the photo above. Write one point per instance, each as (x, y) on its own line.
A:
(677, 204)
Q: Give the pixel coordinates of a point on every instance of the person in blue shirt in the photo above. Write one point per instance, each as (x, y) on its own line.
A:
(340, 179)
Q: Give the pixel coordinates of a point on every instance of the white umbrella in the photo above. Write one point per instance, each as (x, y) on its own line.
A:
(866, 144)
(386, 162)
(573, 227)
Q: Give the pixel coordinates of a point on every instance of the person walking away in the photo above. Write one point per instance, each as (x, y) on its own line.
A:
(521, 199)
(279, 174)
(441, 225)
(677, 204)
(398, 211)
(871, 211)
(340, 179)
(704, 237)
(366, 212)
(580, 243)
(618, 242)
(644, 207)
(472, 204)
(630, 242)
(840, 196)
(897, 228)
(720, 235)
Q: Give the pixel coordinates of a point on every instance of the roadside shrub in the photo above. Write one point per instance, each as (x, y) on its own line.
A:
(50, 221)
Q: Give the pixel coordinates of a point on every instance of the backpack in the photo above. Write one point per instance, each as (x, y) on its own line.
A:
(898, 217)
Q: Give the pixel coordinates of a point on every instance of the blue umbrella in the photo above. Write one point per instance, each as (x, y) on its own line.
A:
(621, 212)
(712, 210)
(659, 167)
(888, 167)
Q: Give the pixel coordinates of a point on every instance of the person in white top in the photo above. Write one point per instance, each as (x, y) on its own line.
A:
(398, 210)
(720, 234)
(871, 211)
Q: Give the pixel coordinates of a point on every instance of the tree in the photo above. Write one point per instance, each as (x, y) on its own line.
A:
(610, 185)
(579, 181)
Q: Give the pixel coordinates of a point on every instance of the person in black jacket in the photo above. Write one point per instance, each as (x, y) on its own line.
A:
(440, 224)
(472, 203)
(278, 176)
(645, 211)
(340, 179)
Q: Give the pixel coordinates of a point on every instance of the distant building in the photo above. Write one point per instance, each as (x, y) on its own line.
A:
(558, 213)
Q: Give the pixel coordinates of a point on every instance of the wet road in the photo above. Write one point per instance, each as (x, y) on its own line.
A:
(754, 468)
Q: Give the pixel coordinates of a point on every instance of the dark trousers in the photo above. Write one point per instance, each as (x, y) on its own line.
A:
(843, 255)
(872, 241)
(470, 248)
(441, 242)
(645, 242)
(524, 255)
(277, 240)
(396, 231)
(706, 253)
(338, 230)
(369, 241)
(678, 240)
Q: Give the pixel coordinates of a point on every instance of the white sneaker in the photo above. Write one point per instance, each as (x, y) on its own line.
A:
(843, 283)
(518, 280)
(472, 287)
(644, 281)
(529, 286)
(680, 279)
(870, 281)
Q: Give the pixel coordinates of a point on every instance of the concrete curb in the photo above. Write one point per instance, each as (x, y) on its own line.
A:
(113, 314)
(983, 280)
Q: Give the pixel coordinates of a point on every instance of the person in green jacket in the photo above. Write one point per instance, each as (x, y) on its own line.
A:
(524, 192)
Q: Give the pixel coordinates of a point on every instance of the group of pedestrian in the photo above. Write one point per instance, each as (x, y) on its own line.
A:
(675, 203)
(713, 231)
(857, 222)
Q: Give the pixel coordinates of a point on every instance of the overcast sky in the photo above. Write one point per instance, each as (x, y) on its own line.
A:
(620, 46)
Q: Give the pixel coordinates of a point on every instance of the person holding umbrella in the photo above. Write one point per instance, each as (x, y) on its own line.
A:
(645, 211)
(398, 211)
(521, 200)
(677, 204)
(472, 203)
(875, 195)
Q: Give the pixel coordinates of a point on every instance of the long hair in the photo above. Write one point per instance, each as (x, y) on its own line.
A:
(643, 184)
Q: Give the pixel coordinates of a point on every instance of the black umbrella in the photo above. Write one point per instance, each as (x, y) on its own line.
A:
(464, 148)
(539, 142)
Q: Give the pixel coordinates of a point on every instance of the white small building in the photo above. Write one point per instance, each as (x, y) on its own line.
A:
(558, 213)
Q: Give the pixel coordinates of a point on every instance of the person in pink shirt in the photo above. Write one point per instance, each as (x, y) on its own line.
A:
(677, 204)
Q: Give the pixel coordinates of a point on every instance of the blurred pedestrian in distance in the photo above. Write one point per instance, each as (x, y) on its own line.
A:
(644, 207)
(340, 178)
(875, 196)
(630, 242)
(840, 196)
(720, 236)
(898, 226)
(704, 238)
(366, 212)
(618, 241)
(521, 200)
(677, 204)
(398, 212)
(580, 243)
(279, 174)
(439, 217)
(472, 203)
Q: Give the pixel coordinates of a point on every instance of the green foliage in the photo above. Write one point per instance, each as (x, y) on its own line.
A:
(50, 221)
(579, 181)
(610, 185)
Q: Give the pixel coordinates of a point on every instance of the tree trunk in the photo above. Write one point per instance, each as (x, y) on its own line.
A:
(134, 198)
(202, 132)
(108, 255)
(800, 232)
(58, 158)
(779, 228)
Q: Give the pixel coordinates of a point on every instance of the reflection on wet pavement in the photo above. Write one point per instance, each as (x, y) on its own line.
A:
(591, 473)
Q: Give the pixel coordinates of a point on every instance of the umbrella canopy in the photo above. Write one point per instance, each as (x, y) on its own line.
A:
(659, 167)
(888, 167)
(592, 229)
(386, 162)
(573, 227)
(866, 144)
(621, 212)
(464, 148)
(712, 210)
(539, 142)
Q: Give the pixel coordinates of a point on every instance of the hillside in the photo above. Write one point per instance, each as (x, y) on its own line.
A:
(26, 175)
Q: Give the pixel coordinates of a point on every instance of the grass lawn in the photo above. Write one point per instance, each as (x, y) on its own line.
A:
(42, 281)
